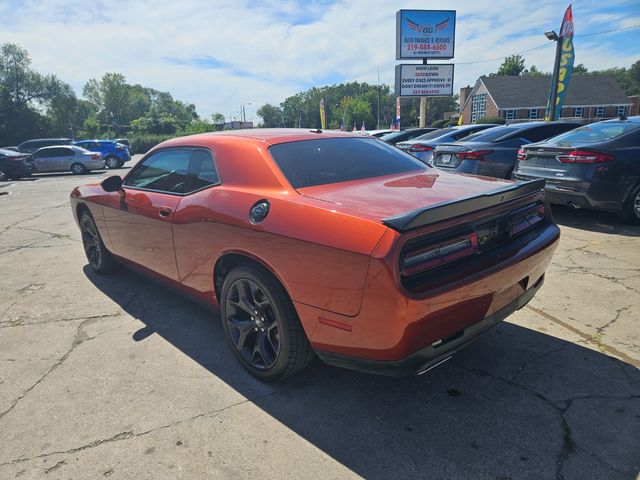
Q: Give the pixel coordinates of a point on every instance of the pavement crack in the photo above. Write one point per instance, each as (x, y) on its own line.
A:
(131, 434)
(19, 322)
(79, 338)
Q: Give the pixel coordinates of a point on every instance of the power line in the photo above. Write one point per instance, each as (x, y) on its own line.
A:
(607, 31)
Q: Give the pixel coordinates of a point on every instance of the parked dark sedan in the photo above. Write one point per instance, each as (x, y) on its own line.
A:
(422, 147)
(493, 152)
(596, 166)
(408, 134)
(14, 165)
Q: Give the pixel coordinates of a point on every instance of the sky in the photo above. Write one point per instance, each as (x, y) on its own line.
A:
(223, 55)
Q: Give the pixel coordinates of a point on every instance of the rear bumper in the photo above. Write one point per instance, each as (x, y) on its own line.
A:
(594, 194)
(396, 328)
(435, 354)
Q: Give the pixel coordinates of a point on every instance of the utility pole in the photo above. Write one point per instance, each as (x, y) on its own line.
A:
(423, 105)
(552, 35)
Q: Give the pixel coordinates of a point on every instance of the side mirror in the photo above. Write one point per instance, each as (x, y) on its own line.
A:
(112, 184)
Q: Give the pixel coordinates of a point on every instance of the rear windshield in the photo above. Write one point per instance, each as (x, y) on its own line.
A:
(596, 132)
(317, 162)
(491, 134)
(435, 134)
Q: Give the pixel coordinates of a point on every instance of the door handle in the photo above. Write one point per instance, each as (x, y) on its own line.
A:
(165, 211)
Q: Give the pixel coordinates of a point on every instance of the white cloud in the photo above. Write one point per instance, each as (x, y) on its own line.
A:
(269, 50)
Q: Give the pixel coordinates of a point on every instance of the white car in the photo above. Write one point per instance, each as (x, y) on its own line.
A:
(65, 158)
(377, 133)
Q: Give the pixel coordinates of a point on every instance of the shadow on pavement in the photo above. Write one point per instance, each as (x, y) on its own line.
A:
(594, 221)
(515, 404)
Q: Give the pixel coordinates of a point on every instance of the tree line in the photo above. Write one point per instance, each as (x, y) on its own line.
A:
(351, 105)
(34, 105)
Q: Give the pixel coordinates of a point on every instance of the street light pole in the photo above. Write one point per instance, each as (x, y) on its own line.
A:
(554, 79)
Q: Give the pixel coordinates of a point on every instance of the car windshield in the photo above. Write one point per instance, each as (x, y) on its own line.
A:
(596, 132)
(491, 134)
(435, 134)
(318, 162)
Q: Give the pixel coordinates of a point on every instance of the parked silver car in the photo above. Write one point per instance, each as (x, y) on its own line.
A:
(65, 158)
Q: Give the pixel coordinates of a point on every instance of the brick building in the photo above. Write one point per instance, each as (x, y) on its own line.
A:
(521, 99)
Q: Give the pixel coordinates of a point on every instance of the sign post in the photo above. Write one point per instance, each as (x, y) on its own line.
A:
(423, 35)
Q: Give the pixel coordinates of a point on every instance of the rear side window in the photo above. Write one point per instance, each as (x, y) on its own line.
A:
(202, 171)
(60, 152)
(596, 132)
(317, 162)
(546, 131)
(164, 171)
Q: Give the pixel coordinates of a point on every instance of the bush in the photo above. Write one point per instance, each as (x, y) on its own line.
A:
(144, 143)
(498, 120)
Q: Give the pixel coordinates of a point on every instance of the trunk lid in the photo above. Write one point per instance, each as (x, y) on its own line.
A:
(382, 197)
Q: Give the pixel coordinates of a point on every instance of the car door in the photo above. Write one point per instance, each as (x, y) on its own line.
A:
(139, 225)
(45, 160)
(63, 158)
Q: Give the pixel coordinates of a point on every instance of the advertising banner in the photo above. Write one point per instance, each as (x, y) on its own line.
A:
(567, 57)
(415, 80)
(323, 115)
(425, 34)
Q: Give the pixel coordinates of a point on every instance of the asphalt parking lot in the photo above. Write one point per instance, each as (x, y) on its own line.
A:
(117, 377)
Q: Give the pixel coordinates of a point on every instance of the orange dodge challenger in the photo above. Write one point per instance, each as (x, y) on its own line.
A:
(323, 243)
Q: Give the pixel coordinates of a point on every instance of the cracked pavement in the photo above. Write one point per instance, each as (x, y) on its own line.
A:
(117, 377)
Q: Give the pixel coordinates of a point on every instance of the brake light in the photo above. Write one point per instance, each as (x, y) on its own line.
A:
(473, 154)
(522, 154)
(438, 254)
(585, 156)
(417, 147)
(95, 156)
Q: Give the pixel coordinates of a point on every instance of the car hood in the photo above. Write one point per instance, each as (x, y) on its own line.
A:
(382, 197)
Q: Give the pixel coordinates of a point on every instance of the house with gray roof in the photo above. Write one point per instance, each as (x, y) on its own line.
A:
(520, 99)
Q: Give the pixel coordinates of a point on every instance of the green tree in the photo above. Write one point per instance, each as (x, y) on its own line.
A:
(579, 69)
(271, 115)
(534, 72)
(512, 65)
(24, 96)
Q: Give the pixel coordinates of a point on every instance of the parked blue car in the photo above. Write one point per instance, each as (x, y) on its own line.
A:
(114, 154)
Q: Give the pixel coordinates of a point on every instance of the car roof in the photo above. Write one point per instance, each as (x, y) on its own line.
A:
(47, 139)
(633, 119)
(270, 136)
(49, 147)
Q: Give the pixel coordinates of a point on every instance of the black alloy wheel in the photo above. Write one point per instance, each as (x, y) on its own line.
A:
(261, 324)
(98, 256)
(252, 324)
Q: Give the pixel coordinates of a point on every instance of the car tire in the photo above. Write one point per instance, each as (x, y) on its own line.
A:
(631, 211)
(78, 168)
(100, 259)
(261, 324)
(112, 162)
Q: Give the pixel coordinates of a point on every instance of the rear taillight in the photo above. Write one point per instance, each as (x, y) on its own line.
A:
(525, 218)
(585, 156)
(522, 154)
(473, 154)
(416, 147)
(95, 156)
(436, 254)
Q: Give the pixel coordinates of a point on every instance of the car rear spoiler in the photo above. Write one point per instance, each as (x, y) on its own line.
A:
(454, 208)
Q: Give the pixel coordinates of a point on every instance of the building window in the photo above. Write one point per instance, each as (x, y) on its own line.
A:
(622, 111)
(579, 112)
(533, 114)
(478, 107)
(509, 114)
(599, 112)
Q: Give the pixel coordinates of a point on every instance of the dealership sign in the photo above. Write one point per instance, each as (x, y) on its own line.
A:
(425, 34)
(414, 80)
